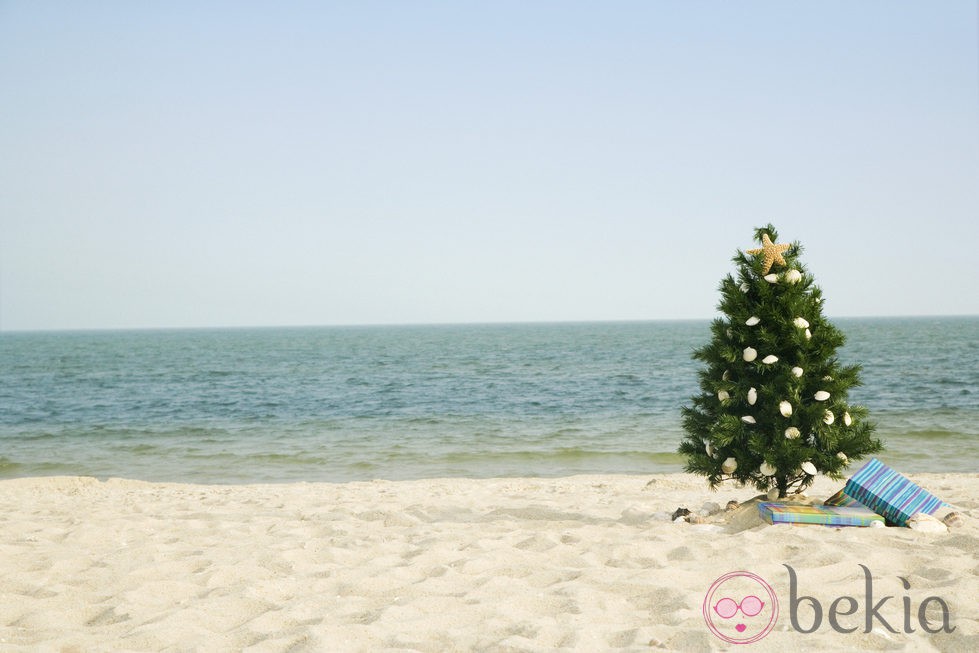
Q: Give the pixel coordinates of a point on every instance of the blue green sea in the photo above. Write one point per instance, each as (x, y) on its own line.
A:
(403, 402)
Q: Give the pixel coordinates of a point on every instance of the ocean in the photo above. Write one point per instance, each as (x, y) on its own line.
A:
(404, 402)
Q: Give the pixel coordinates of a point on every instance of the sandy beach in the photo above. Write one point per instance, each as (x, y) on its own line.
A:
(584, 563)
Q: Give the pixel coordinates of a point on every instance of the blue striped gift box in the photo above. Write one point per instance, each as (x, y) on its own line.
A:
(889, 493)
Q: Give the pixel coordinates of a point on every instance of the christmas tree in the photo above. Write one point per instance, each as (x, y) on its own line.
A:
(773, 408)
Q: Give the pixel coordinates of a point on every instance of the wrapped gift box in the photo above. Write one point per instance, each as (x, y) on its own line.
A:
(790, 513)
(889, 493)
(841, 498)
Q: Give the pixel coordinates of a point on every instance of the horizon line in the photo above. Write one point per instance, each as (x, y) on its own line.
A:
(354, 325)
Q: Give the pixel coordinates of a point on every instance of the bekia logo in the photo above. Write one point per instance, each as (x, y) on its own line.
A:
(741, 607)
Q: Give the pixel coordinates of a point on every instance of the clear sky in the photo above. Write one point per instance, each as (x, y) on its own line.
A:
(183, 164)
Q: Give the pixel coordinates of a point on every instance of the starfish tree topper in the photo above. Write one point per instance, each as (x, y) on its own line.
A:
(772, 253)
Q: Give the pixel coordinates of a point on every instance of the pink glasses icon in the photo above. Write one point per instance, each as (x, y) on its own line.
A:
(750, 606)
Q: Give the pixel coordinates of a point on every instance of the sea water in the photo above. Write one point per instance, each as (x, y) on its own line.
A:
(401, 402)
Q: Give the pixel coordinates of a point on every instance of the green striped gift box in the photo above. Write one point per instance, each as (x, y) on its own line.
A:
(842, 499)
(790, 513)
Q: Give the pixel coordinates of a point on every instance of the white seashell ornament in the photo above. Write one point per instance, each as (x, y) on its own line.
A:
(752, 396)
(792, 433)
(842, 456)
(767, 470)
(847, 419)
(828, 417)
(722, 395)
(772, 494)
(800, 322)
(771, 278)
(753, 320)
(821, 395)
(768, 360)
(729, 465)
(809, 468)
(726, 376)
(808, 334)
(709, 448)
(748, 419)
(797, 371)
(793, 276)
(785, 408)
(745, 287)
(749, 354)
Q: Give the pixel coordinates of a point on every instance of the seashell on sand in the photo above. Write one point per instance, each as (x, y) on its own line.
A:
(679, 512)
(953, 520)
(772, 494)
(926, 524)
(710, 508)
(732, 505)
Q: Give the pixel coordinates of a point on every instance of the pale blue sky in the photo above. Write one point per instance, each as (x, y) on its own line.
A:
(239, 163)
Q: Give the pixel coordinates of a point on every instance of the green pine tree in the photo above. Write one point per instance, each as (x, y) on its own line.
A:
(773, 410)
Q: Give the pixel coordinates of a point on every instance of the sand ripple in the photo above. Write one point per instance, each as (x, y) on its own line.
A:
(581, 563)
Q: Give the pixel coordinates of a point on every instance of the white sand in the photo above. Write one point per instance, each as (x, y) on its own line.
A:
(581, 563)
